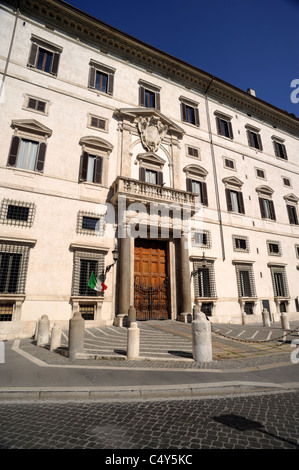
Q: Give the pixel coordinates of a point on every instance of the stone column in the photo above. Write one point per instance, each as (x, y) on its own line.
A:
(76, 335)
(266, 317)
(201, 337)
(124, 280)
(185, 283)
(43, 333)
(133, 339)
(55, 337)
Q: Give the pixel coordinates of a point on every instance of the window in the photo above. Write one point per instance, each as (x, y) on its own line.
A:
(150, 176)
(94, 160)
(36, 104)
(260, 173)
(224, 126)
(292, 213)
(267, 209)
(87, 311)
(279, 281)
(149, 95)
(189, 111)
(44, 56)
(6, 311)
(86, 262)
(96, 122)
(297, 250)
(245, 281)
(234, 201)
(241, 244)
(248, 308)
(279, 148)
(25, 152)
(230, 164)
(101, 77)
(254, 138)
(202, 239)
(17, 213)
(13, 268)
(274, 248)
(89, 223)
(204, 279)
(200, 188)
(192, 152)
(287, 182)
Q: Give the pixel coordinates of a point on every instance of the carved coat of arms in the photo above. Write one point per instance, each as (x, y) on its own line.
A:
(152, 131)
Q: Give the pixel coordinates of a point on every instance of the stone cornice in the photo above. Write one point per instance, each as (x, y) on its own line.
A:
(76, 23)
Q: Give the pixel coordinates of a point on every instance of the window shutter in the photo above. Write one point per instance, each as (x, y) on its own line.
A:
(183, 109)
(241, 203)
(13, 152)
(92, 77)
(196, 116)
(98, 170)
(157, 101)
(55, 62)
(40, 161)
(83, 166)
(160, 178)
(141, 96)
(284, 152)
(189, 184)
(204, 194)
(142, 173)
(33, 55)
(230, 130)
(228, 200)
(263, 213)
(259, 139)
(250, 140)
(218, 125)
(110, 84)
(272, 210)
(276, 150)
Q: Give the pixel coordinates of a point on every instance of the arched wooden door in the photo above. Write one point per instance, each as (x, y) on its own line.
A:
(150, 279)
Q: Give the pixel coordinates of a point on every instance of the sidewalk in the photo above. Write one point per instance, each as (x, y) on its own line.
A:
(165, 370)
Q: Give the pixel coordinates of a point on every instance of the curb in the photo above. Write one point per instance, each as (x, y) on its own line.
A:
(177, 392)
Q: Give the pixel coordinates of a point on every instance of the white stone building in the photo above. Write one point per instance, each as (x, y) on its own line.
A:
(91, 119)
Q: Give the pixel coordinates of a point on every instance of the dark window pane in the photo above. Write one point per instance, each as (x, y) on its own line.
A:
(17, 213)
(190, 115)
(9, 272)
(90, 223)
(44, 61)
(245, 284)
(149, 97)
(101, 81)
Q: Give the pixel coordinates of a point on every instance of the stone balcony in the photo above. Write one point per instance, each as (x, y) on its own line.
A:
(146, 193)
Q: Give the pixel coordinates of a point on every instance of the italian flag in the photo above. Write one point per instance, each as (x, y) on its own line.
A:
(95, 284)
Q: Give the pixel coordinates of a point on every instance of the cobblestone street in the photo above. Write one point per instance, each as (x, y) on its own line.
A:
(269, 421)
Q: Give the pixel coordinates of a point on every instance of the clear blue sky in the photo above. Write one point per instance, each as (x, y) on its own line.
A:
(249, 44)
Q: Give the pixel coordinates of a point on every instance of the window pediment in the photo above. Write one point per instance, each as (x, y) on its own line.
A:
(31, 126)
(291, 198)
(196, 171)
(232, 181)
(266, 190)
(150, 158)
(96, 142)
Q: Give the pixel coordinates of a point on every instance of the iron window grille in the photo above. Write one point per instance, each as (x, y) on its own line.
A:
(17, 213)
(86, 262)
(204, 279)
(241, 244)
(89, 223)
(13, 268)
(245, 281)
(202, 239)
(6, 312)
(87, 311)
(280, 282)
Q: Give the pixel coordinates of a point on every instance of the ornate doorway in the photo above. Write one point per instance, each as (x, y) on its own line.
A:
(150, 280)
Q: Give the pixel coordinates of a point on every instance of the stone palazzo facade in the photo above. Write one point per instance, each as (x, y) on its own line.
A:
(169, 184)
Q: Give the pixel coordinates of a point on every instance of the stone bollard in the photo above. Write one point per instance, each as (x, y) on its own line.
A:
(284, 321)
(76, 335)
(55, 337)
(201, 338)
(43, 331)
(133, 337)
(131, 315)
(266, 317)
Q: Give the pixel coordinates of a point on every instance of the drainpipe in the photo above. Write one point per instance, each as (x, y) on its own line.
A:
(214, 170)
(9, 51)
